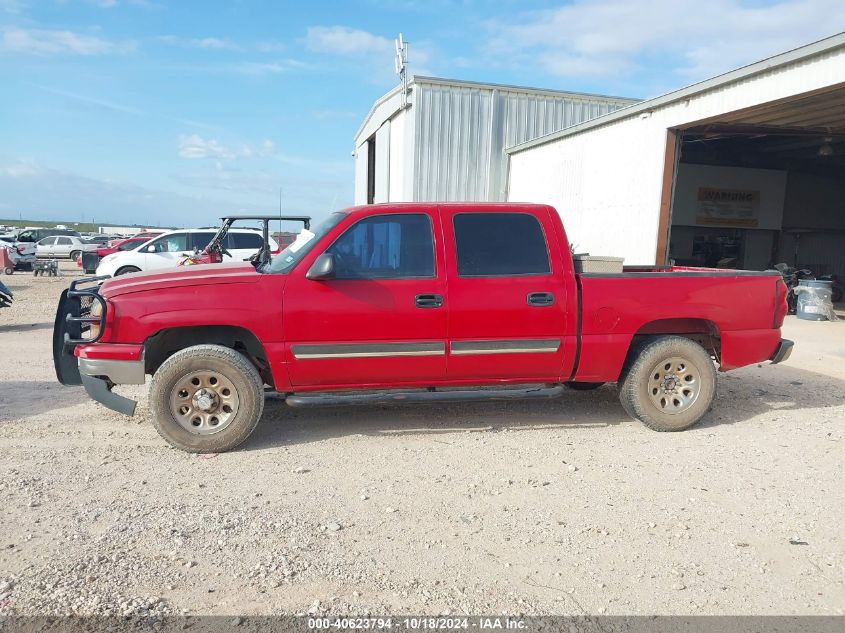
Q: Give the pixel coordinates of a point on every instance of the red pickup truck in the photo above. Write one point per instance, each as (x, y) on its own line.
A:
(413, 302)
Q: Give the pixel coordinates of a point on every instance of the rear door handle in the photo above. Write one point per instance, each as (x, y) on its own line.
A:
(428, 301)
(541, 299)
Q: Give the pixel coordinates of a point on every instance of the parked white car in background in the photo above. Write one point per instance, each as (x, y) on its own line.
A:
(57, 246)
(21, 253)
(168, 249)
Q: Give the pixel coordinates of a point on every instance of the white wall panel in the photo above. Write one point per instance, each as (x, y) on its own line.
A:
(398, 189)
(361, 173)
(382, 190)
(605, 179)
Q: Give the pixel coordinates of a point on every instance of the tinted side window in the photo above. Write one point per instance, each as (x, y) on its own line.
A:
(128, 246)
(64, 241)
(47, 241)
(391, 246)
(245, 241)
(499, 245)
(201, 240)
(178, 242)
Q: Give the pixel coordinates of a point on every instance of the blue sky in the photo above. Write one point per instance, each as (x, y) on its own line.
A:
(178, 112)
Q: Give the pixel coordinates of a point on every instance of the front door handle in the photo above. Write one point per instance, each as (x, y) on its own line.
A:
(428, 301)
(541, 299)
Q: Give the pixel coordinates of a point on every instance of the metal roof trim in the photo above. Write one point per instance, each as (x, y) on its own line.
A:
(797, 54)
(458, 83)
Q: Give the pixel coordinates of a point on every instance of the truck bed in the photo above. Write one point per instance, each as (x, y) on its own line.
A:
(712, 303)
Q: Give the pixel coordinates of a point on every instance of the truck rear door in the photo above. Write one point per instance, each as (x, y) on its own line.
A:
(507, 295)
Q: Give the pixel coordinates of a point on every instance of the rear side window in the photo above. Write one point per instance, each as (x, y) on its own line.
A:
(245, 241)
(395, 246)
(201, 240)
(500, 245)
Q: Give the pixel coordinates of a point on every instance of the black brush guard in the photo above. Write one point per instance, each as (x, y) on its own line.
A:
(72, 325)
(72, 328)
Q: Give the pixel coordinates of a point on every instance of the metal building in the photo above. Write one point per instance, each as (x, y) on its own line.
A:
(446, 139)
(740, 171)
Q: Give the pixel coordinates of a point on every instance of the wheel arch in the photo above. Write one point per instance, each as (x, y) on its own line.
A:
(703, 331)
(164, 343)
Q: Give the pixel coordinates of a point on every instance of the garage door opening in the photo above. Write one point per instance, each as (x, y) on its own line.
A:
(764, 185)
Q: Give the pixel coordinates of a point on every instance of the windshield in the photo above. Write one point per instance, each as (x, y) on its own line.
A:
(304, 242)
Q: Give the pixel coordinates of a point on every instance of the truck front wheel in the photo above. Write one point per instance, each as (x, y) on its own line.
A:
(206, 399)
(670, 385)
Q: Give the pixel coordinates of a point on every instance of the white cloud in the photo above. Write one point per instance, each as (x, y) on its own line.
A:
(44, 42)
(20, 169)
(698, 39)
(342, 40)
(12, 6)
(208, 43)
(194, 146)
(375, 51)
(265, 68)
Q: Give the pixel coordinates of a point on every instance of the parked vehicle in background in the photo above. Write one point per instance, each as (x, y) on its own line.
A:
(122, 245)
(22, 254)
(168, 249)
(412, 297)
(36, 235)
(97, 239)
(216, 250)
(90, 261)
(6, 296)
(62, 246)
(147, 235)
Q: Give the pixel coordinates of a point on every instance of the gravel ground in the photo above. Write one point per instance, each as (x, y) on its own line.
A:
(563, 507)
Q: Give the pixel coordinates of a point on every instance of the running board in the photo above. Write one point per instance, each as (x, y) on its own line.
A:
(322, 400)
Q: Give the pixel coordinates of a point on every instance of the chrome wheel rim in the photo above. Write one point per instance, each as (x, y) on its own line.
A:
(204, 402)
(674, 385)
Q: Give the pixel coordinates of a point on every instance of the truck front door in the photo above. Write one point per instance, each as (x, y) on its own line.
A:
(507, 297)
(382, 319)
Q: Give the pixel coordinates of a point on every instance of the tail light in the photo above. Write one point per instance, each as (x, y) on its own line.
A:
(276, 251)
(781, 307)
(21, 249)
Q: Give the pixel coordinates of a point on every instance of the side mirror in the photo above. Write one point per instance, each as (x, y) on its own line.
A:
(322, 268)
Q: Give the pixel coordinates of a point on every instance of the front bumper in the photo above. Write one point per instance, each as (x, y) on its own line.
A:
(100, 376)
(783, 351)
(118, 372)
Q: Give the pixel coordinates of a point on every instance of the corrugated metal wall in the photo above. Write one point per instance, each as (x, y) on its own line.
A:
(462, 131)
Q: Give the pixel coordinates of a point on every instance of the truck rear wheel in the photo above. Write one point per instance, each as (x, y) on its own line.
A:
(206, 399)
(670, 384)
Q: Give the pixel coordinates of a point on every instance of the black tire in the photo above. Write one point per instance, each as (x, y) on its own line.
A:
(74, 255)
(8, 270)
(216, 360)
(654, 386)
(583, 386)
(126, 270)
(836, 295)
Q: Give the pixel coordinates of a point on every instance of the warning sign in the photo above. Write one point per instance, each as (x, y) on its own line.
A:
(728, 207)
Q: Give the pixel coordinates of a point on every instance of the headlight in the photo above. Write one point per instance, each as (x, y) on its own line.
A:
(96, 311)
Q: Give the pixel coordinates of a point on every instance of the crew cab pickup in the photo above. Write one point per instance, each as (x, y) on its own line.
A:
(412, 302)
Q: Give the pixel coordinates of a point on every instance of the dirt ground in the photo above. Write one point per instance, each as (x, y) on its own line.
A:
(564, 506)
